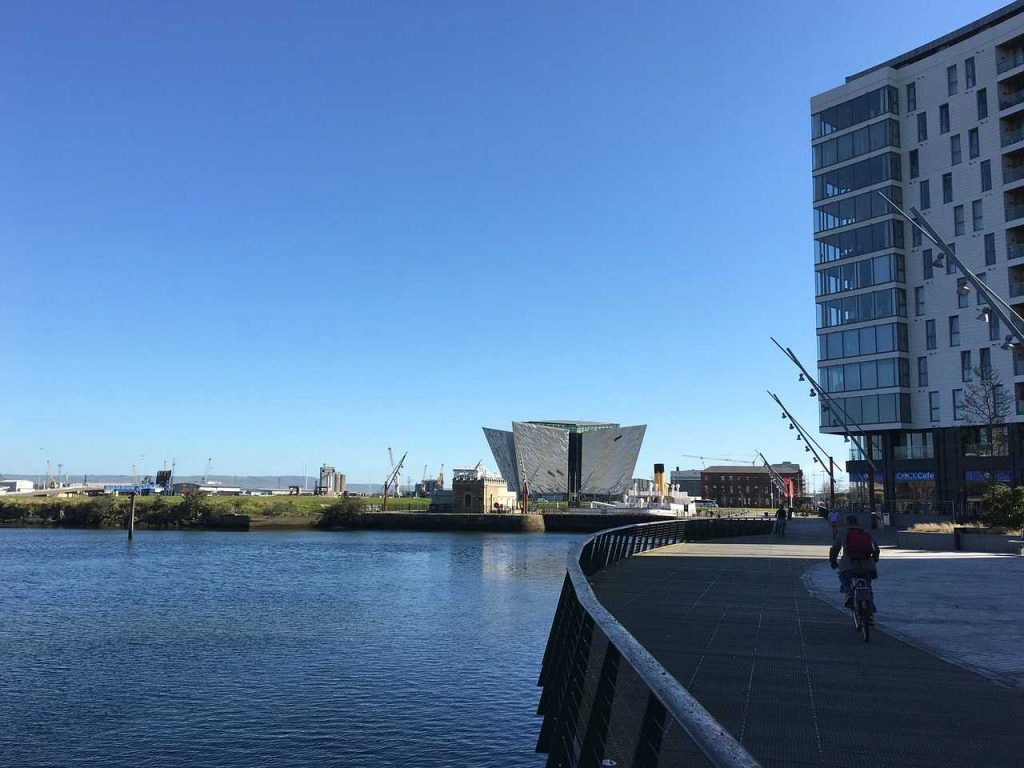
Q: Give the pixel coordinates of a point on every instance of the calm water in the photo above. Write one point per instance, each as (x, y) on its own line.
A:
(273, 649)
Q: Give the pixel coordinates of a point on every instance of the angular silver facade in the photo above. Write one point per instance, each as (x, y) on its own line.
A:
(542, 454)
(504, 449)
(609, 458)
(598, 458)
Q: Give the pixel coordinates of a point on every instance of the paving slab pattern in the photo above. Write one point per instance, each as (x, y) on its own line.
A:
(965, 607)
(787, 674)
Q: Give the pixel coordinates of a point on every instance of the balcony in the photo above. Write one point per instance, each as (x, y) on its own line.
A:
(1016, 289)
(1018, 363)
(1011, 99)
(1013, 173)
(1015, 252)
(1011, 137)
(1009, 55)
(1014, 211)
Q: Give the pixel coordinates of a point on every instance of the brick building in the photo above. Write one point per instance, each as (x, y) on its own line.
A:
(748, 486)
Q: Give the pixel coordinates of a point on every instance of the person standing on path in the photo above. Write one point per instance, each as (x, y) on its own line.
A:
(780, 521)
(833, 520)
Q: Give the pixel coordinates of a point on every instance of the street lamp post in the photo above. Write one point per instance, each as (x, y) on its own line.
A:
(833, 406)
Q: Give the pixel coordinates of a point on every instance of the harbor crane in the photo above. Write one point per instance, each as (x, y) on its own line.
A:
(398, 477)
(392, 480)
(206, 474)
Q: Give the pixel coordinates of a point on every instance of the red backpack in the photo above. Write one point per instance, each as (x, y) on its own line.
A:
(858, 544)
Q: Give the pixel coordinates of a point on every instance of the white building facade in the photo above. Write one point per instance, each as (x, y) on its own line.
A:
(940, 128)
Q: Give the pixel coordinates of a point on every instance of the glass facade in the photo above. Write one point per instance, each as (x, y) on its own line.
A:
(874, 339)
(858, 242)
(884, 100)
(856, 209)
(867, 409)
(891, 302)
(869, 374)
(864, 173)
(860, 274)
(913, 445)
(885, 133)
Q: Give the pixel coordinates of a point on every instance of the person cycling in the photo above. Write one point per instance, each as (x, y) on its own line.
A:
(860, 555)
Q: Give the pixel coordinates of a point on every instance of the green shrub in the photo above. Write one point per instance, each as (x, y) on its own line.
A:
(341, 512)
(1003, 506)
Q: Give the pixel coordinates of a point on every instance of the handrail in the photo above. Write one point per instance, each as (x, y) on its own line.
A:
(719, 746)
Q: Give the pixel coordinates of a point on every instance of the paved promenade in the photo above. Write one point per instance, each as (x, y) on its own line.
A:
(785, 672)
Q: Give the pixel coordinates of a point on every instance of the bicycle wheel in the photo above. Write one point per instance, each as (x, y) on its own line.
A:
(864, 619)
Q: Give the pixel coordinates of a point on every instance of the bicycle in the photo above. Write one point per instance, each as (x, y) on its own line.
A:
(860, 603)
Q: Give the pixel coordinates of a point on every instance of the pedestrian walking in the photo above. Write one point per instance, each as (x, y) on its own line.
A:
(780, 521)
(833, 519)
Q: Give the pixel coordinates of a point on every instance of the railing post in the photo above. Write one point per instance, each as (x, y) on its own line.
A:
(592, 753)
(648, 743)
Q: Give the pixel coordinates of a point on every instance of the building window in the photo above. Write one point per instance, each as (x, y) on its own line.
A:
(969, 77)
(911, 97)
(958, 220)
(965, 366)
(993, 328)
(926, 263)
(915, 237)
(985, 363)
(982, 278)
(919, 300)
(922, 371)
(951, 80)
(929, 334)
(950, 264)
(982, 104)
(962, 293)
(947, 187)
(954, 330)
(990, 249)
(958, 405)
(467, 500)
(955, 154)
(933, 406)
(943, 118)
(977, 216)
(986, 175)
(915, 168)
(973, 145)
(925, 195)
(922, 126)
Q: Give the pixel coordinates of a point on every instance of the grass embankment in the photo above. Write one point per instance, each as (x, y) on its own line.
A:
(180, 511)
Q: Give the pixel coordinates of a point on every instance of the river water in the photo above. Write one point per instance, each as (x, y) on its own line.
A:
(273, 649)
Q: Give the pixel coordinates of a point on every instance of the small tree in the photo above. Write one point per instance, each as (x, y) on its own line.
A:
(1003, 506)
(986, 406)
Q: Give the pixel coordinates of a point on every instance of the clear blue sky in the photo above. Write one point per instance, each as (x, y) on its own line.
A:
(281, 233)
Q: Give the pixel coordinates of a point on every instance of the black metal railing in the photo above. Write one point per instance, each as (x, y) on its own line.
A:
(605, 700)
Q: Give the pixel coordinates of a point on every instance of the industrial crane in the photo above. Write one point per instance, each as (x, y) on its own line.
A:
(398, 477)
(440, 479)
(392, 479)
(206, 474)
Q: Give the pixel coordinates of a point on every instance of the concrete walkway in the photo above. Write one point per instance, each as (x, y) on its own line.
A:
(785, 672)
(965, 607)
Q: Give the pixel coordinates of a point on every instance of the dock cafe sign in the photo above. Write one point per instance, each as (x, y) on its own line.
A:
(915, 477)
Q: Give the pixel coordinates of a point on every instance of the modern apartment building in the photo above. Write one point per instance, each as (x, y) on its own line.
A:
(900, 348)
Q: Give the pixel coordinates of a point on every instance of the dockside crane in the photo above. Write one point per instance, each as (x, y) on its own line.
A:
(392, 479)
(206, 473)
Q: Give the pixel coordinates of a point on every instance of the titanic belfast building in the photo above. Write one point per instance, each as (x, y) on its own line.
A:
(570, 459)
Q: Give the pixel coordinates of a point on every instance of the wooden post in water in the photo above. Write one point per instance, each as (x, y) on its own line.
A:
(131, 517)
